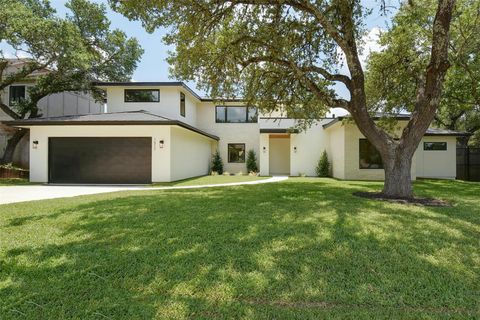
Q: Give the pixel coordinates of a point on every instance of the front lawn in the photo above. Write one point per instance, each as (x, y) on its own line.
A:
(301, 249)
(206, 180)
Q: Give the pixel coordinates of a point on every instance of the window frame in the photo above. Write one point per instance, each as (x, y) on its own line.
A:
(435, 142)
(247, 108)
(359, 156)
(125, 95)
(10, 93)
(182, 104)
(228, 152)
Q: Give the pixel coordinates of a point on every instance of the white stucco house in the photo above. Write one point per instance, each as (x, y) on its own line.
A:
(164, 131)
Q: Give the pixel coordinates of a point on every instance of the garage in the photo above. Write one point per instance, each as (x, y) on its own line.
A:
(100, 160)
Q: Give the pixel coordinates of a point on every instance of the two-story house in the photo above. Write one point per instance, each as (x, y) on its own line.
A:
(164, 131)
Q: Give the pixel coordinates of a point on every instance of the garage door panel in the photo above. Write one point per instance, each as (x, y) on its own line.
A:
(100, 160)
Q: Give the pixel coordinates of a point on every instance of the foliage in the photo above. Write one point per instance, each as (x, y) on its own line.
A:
(75, 50)
(252, 161)
(323, 166)
(300, 249)
(288, 56)
(217, 163)
(394, 73)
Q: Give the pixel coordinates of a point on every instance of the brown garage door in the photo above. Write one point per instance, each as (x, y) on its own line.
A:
(100, 160)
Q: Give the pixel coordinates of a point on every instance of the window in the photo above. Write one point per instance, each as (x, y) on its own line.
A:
(142, 95)
(182, 104)
(369, 156)
(434, 146)
(236, 114)
(236, 152)
(17, 94)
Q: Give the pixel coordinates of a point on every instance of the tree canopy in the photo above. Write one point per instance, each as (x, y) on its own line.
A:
(71, 52)
(76, 49)
(393, 73)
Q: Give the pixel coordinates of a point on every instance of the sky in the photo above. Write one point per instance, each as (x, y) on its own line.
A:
(153, 66)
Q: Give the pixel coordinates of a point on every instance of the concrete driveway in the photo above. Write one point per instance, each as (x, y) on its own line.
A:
(12, 194)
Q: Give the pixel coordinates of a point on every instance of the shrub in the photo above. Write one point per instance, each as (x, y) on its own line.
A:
(323, 166)
(252, 161)
(217, 163)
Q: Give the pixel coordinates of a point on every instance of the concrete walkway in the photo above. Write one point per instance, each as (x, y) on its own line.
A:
(13, 194)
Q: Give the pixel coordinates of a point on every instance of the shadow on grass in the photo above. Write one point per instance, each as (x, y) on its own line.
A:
(296, 249)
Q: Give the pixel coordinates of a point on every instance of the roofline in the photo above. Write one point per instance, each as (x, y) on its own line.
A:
(452, 134)
(26, 122)
(162, 84)
(148, 84)
(341, 118)
(449, 134)
(279, 131)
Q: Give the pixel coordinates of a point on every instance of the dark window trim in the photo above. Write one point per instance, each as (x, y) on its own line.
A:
(125, 95)
(442, 142)
(10, 92)
(359, 166)
(182, 104)
(228, 152)
(225, 119)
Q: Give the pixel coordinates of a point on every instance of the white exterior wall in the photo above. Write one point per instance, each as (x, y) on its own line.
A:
(160, 156)
(190, 154)
(168, 106)
(438, 163)
(247, 133)
(263, 157)
(337, 151)
(309, 146)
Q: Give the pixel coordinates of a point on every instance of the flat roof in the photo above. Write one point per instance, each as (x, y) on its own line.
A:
(163, 84)
(404, 117)
(115, 118)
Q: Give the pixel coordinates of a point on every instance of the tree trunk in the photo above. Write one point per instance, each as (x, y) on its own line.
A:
(12, 145)
(398, 178)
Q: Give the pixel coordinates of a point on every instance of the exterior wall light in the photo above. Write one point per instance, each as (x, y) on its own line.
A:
(35, 144)
(264, 149)
(161, 143)
(295, 149)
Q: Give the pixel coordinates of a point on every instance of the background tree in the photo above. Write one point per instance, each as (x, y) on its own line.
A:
(392, 77)
(76, 50)
(286, 53)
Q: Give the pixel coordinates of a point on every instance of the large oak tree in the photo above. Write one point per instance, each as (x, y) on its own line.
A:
(286, 52)
(73, 50)
(392, 73)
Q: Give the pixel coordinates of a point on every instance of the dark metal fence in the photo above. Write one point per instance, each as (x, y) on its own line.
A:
(468, 164)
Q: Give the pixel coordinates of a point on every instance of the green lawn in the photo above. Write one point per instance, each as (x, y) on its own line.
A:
(14, 182)
(204, 180)
(301, 249)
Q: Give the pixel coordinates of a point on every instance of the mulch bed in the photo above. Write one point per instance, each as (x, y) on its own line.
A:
(425, 202)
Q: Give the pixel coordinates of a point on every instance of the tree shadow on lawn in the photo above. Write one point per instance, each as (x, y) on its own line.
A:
(288, 250)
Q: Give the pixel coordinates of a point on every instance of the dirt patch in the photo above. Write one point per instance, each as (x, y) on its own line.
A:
(425, 202)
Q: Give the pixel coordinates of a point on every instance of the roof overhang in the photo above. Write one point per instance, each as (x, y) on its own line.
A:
(104, 85)
(35, 123)
(279, 131)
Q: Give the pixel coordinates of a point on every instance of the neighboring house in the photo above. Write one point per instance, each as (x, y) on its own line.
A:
(60, 104)
(163, 131)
